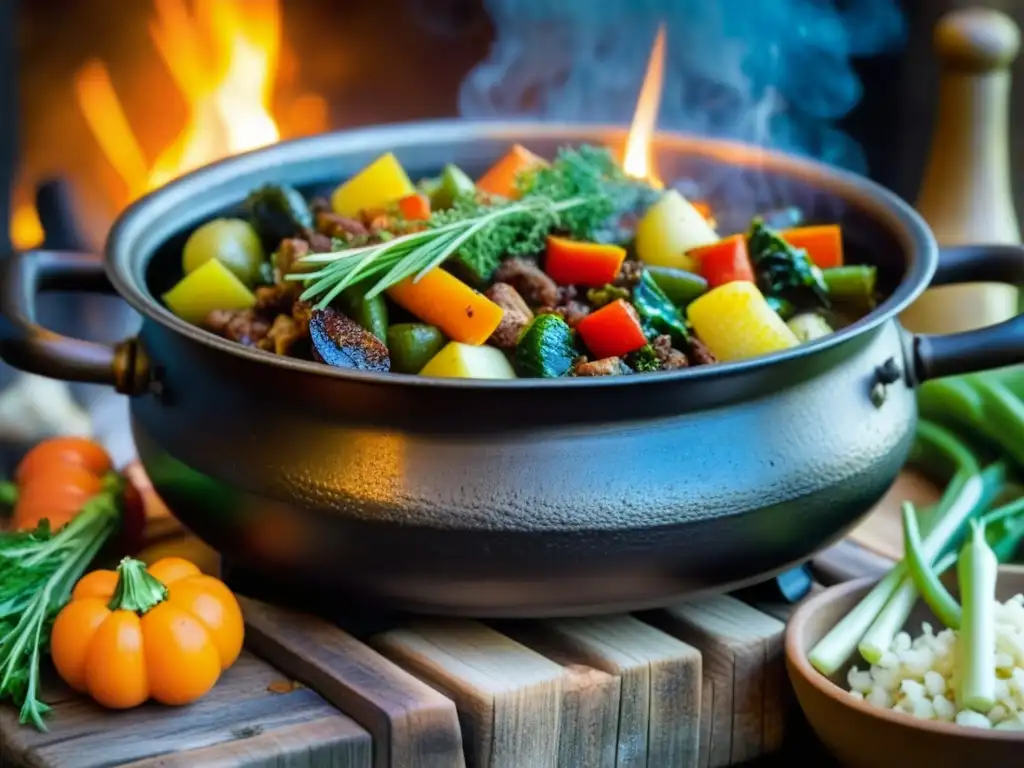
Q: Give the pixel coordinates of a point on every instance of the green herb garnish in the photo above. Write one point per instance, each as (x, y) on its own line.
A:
(781, 269)
(576, 194)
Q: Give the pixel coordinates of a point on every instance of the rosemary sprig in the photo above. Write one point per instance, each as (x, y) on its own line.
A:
(412, 255)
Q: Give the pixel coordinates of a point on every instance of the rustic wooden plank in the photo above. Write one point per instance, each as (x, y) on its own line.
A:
(744, 694)
(413, 726)
(508, 696)
(257, 712)
(659, 704)
(328, 741)
(588, 731)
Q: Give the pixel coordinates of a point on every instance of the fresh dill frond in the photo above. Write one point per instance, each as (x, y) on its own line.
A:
(576, 194)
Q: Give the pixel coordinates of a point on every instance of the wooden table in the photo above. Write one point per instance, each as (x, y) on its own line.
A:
(698, 684)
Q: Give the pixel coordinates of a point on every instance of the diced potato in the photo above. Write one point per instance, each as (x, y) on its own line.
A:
(379, 184)
(465, 361)
(809, 326)
(210, 286)
(670, 228)
(735, 322)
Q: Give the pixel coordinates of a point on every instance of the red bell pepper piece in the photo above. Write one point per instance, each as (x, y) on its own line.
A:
(573, 263)
(823, 243)
(414, 207)
(726, 261)
(613, 330)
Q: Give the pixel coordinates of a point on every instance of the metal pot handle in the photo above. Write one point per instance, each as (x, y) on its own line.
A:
(28, 346)
(995, 346)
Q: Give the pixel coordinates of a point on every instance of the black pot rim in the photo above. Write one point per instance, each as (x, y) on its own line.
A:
(215, 187)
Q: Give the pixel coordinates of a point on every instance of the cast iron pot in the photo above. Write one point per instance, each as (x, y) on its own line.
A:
(522, 498)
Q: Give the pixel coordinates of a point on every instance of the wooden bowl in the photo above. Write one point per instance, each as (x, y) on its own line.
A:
(864, 736)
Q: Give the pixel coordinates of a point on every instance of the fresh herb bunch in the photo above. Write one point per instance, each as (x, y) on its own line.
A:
(577, 194)
(38, 570)
(782, 270)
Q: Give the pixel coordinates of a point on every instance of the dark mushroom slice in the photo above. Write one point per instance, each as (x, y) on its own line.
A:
(343, 343)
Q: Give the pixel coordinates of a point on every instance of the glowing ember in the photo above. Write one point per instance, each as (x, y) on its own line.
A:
(223, 57)
(638, 160)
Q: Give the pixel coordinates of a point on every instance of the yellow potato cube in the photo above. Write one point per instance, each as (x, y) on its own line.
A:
(669, 229)
(466, 361)
(208, 287)
(379, 184)
(735, 322)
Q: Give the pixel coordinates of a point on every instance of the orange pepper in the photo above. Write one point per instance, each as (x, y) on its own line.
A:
(569, 262)
(164, 633)
(613, 330)
(415, 207)
(823, 243)
(500, 179)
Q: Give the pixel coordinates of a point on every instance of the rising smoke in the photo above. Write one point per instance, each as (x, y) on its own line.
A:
(776, 73)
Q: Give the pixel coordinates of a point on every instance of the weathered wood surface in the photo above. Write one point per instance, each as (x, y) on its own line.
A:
(699, 684)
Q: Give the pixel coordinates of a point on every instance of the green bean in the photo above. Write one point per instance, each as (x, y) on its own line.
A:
(855, 282)
(371, 314)
(926, 581)
(1004, 415)
(681, 287)
(411, 345)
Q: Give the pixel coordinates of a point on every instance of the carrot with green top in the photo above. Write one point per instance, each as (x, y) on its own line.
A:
(441, 299)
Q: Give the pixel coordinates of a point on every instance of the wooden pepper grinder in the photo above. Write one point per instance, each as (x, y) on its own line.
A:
(966, 195)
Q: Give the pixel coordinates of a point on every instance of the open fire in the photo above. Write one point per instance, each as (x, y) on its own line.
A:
(224, 58)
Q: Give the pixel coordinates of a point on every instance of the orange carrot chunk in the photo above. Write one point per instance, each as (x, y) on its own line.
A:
(439, 298)
(501, 178)
(415, 207)
(823, 243)
(612, 331)
(572, 263)
(726, 261)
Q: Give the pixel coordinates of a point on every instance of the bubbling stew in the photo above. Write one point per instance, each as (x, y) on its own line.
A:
(537, 269)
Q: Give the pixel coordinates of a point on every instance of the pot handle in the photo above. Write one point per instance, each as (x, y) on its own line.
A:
(996, 346)
(28, 346)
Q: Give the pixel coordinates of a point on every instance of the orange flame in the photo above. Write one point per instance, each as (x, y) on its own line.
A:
(223, 57)
(638, 160)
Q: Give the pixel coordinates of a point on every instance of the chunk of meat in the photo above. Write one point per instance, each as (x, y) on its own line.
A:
(607, 366)
(668, 356)
(699, 353)
(342, 342)
(285, 335)
(530, 282)
(277, 299)
(336, 225)
(572, 312)
(318, 243)
(629, 274)
(288, 252)
(244, 326)
(516, 317)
